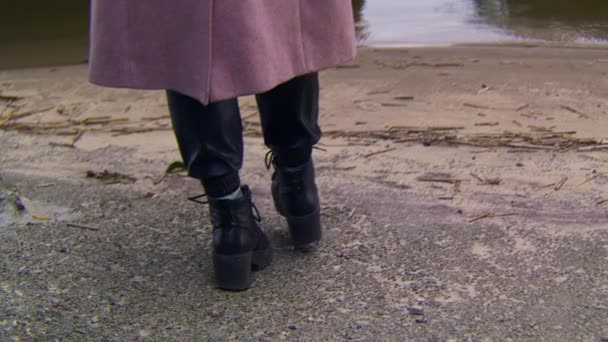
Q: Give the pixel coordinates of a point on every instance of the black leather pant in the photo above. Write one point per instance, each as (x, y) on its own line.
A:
(210, 138)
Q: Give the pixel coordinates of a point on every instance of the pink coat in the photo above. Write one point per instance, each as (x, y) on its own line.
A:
(216, 49)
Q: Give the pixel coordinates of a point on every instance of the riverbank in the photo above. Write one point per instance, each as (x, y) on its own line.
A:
(468, 181)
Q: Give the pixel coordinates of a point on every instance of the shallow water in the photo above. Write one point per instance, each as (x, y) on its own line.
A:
(34, 32)
(444, 22)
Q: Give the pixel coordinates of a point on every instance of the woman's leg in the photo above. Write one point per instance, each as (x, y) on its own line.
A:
(289, 115)
(210, 140)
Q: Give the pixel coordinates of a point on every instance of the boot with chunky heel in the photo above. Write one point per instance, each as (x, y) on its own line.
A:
(296, 198)
(239, 244)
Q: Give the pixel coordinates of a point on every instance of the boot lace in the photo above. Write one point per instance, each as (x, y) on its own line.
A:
(270, 159)
(246, 192)
(197, 199)
(254, 210)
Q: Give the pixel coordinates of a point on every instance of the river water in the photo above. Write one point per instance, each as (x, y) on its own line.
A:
(34, 32)
(445, 22)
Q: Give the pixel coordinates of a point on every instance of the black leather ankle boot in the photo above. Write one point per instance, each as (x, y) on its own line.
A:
(239, 244)
(296, 198)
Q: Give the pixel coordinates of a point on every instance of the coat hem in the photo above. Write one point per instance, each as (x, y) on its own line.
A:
(201, 96)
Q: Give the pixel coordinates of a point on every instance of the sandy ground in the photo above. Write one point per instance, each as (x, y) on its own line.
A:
(468, 182)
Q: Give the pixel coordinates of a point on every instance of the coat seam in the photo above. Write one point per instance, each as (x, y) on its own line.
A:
(128, 34)
(209, 66)
(302, 47)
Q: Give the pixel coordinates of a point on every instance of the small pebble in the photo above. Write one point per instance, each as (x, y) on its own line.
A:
(415, 310)
(292, 327)
(519, 164)
(214, 313)
(114, 301)
(361, 325)
(421, 320)
(19, 205)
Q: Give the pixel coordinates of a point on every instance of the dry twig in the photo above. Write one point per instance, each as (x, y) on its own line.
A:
(438, 178)
(575, 111)
(561, 183)
(486, 181)
(54, 144)
(107, 177)
(77, 137)
(489, 215)
(589, 179)
(593, 148)
(10, 98)
(81, 226)
(404, 98)
(379, 152)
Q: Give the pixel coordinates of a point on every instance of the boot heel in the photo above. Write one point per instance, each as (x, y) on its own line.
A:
(261, 259)
(233, 272)
(305, 230)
